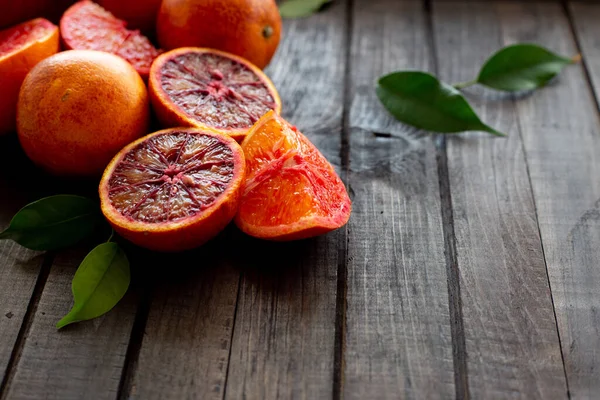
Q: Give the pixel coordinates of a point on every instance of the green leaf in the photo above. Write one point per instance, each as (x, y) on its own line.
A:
(521, 67)
(54, 222)
(300, 8)
(419, 99)
(100, 282)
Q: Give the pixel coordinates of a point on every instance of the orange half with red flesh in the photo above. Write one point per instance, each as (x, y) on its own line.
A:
(210, 89)
(173, 190)
(21, 48)
(291, 191)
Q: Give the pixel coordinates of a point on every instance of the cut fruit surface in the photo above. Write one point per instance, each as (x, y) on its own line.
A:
(206, 88)
(248, 28)
(88, 26)
(291, 191)
(27, 33)
(21, 48)
(174, 189)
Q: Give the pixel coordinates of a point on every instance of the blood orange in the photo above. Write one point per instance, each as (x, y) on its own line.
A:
(78, 108)
(291, 191)
(207, 88)
(174, 189)
(21, 48)
(247, 28)
(88, 26)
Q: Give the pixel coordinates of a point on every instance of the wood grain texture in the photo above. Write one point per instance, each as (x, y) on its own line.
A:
(585, 17)
(84, 360)
(561, 135)
(398, 336)
(187, 336)
(284, 340)
(19, 267)
(511, 336)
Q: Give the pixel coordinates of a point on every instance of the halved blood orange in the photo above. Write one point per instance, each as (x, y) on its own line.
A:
(88, 26)
(208, 88)
(174, 189)
(21, 48)
(291, 191)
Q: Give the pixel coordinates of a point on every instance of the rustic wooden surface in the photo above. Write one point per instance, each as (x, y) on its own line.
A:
(504, 286)
(397, 331)
(470, 267)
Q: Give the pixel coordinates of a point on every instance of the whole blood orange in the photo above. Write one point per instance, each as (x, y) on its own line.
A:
(78, 108)
(291, 191)
(21, 48)
(173, 190)
(247, 28)
(139, 14)
(207, 88)
(87, 26)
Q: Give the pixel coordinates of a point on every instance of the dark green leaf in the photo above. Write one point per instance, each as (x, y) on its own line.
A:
(300, 8)
(53, 222)
(419, 99)
(521, 67)
(100, 282)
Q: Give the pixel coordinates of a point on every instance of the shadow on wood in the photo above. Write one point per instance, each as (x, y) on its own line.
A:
(28, 183)
(276, 269)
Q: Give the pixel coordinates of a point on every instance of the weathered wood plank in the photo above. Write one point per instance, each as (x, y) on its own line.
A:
(561, 135)
(511, 336)
(79, 360)
(398, 335)
(585, 22)
(19, 267)
(84, 360)
(284, 339)
(187, 336)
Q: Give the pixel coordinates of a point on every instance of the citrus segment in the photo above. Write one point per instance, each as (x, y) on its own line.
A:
(21, 48)
(291, 191)
(88, 26)
(210, 89)
(173, 190)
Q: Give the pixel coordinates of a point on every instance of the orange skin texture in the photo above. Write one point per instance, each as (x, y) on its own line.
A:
(247, 28)
(170, 115)
(15, 65)
(187, 233)
(139, 14)
(287, 192)
(78, 108)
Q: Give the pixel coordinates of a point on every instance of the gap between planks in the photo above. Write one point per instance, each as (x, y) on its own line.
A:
(457, 331)
(235, 313)
(579, 47)
(26, 324)
(342, 273)
(135, 343)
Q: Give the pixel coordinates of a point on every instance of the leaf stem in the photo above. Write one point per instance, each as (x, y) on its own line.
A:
(112, 234)
(576, 58)
(463, 85)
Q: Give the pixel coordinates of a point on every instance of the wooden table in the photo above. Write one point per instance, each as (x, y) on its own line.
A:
(470, 266)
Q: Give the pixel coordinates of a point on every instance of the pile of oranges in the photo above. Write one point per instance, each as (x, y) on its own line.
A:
(224, 152)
